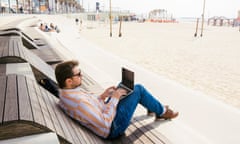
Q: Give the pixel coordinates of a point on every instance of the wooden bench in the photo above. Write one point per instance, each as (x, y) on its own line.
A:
(38, 46)
(13, 51)
(27, 41)
(26, 108)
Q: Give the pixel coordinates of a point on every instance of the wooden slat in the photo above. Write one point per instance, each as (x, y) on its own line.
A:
(153, 134)
(16, 48)
(88, 135)
(5, 49)
(11, 47)
(63, 122)
(2, 43)
(11, 102)
(44, 109)
(83, 133)
(141, 134)
(129, 134)
(3, 46)
(25, 110)
(147, 133)
(50, 107)
(20, 50)
(3, 69)
(77, 137)
(36, 109)
(3, 80)
(147, 125)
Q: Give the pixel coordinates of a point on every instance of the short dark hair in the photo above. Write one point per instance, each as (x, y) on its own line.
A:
(64, 71)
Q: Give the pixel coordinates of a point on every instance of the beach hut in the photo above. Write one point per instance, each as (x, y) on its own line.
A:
(219, 21)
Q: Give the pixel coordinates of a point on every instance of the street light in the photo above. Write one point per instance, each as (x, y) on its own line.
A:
(203, 18)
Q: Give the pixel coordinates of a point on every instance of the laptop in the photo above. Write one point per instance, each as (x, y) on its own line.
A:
(127, 81)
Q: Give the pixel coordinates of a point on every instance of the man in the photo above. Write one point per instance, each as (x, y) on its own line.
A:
(108, 120)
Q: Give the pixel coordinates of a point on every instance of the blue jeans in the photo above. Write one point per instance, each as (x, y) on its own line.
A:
(128, 105)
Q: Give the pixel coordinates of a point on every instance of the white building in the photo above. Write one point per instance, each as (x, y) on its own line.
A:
(4, 5)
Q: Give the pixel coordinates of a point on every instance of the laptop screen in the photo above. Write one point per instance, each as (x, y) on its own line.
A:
(128, 78)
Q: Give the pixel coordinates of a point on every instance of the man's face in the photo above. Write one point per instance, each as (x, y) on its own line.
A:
(76, 78)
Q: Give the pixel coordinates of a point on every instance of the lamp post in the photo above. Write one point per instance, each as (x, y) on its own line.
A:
(110, 17)
(203, 18)
(195, 35)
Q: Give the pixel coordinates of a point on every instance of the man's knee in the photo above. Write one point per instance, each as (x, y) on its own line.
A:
(138, 87)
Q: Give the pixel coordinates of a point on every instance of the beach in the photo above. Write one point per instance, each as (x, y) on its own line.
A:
(197, 76)
(209, 64)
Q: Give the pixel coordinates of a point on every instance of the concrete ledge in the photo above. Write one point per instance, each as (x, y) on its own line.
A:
(45, 138)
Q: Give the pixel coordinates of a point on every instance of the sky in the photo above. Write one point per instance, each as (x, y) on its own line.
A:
(178, 8)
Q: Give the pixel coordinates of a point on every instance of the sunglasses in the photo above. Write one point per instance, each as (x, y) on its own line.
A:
(78, 74)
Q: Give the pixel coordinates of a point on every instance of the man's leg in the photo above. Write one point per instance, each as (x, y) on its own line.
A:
(127, 106)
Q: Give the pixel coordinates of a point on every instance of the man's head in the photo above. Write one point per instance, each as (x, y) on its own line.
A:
(68, 74)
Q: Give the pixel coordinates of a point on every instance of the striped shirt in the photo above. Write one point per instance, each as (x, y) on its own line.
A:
(89, 109)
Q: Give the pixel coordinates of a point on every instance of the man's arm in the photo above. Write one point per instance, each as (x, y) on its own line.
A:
(108, 92)
(97, 118)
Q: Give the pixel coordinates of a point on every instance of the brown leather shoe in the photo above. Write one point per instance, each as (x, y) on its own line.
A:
(169, 114)
(150, 113)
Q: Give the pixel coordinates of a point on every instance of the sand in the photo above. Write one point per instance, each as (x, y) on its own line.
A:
(209, 64)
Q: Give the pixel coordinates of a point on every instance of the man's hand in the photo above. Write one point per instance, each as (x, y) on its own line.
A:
(108, 92)
(113, 91)
(119, 92)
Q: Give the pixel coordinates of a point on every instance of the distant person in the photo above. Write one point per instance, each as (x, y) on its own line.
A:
(42, 27)
(76, 20)
(81, 21)
(47, 29)
(80, 24)
(49, 10)
(21, 9)
(108, 120)
(54, 28)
